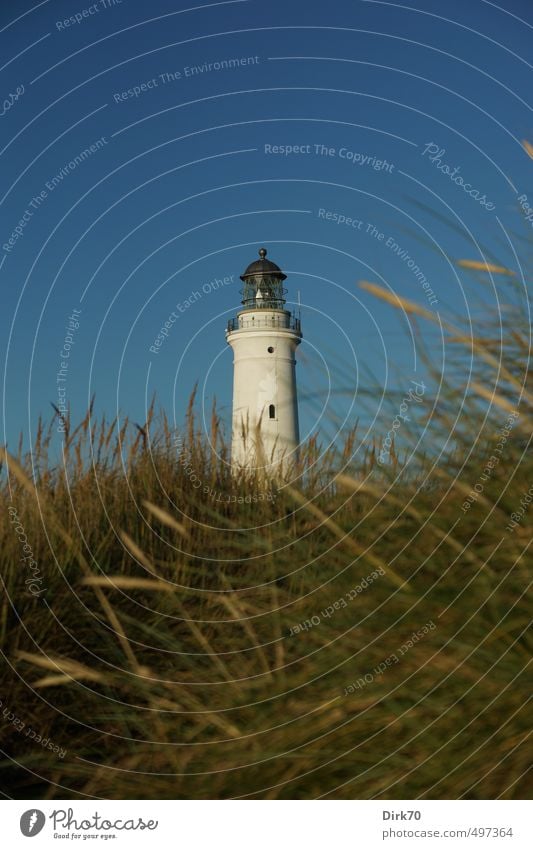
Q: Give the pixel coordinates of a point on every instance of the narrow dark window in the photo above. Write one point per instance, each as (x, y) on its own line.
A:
(272, 412)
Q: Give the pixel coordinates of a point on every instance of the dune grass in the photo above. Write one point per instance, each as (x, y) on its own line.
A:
(245, 639)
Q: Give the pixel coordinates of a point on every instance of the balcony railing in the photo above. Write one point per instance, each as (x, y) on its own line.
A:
(244, 322)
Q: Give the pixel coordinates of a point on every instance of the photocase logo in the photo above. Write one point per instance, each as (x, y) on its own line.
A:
(32, 822)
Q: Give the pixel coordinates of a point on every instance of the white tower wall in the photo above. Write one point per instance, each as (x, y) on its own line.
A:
(265, 404)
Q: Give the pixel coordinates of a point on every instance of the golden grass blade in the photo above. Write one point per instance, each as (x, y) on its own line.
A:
(479, 389)
(135, 551)
(468, 341)
(18, 472)
(68, 668)
(52, 681)
(29, 486)
(395, 300)
(344, 536)
(117, 627)
(231, 606)
(528, 148)
(475, 265)
(204, 643)
(444, 536)
(123, 582)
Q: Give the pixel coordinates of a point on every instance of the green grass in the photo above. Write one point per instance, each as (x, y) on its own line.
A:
(159, 653)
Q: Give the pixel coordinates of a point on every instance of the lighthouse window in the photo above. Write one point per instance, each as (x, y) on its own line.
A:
(272, 412)
(270, 349)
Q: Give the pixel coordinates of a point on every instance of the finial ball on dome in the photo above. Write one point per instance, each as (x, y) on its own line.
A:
(262, 252)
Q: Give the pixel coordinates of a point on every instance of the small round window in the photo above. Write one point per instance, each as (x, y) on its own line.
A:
(270, 349)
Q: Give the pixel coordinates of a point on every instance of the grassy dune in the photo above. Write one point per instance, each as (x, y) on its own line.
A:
(360, 633)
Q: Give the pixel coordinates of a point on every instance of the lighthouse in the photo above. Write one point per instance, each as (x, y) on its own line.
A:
(264, 336)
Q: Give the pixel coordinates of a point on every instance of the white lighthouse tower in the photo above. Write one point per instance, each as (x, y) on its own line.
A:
(264, 337)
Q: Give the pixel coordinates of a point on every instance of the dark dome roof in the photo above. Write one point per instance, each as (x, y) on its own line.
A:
(263, 266)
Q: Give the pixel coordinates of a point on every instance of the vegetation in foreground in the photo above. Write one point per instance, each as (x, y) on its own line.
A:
(361, 633)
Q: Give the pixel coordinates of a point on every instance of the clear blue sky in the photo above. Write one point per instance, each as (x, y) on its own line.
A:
(180, 190)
